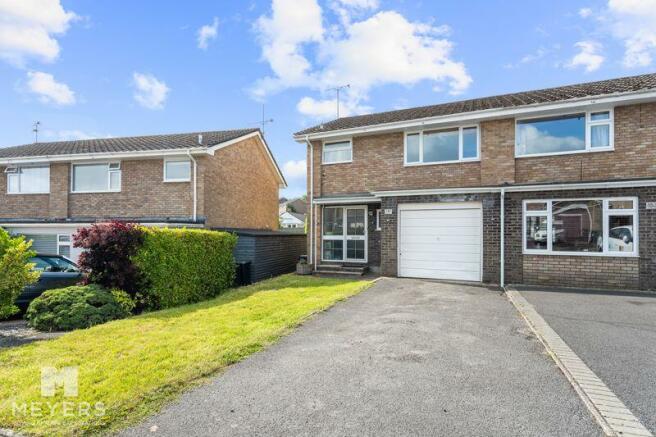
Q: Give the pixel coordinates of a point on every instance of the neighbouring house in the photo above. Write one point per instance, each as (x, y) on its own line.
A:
(298, 205)
(293, 213)
(292, 220)
(554, 186)
(218, 179)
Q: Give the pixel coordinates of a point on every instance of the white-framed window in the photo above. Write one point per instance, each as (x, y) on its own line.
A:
(441, 146)
(562, 134)
(378, 219)
(593, 227)
(337, 152)
(64, 245)
(177, 170)
(96, 177)
(28, 180)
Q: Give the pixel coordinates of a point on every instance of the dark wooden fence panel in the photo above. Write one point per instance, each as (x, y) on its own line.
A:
(270, 253)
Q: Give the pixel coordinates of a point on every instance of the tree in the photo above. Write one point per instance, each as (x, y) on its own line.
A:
(107, 258)
(16, 272)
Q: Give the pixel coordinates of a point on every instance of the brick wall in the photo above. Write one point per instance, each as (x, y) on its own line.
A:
(143, 194)
(241, 187)
(583, 271)
(378, 160)
(378, 165)
(21, 205)
(634, 155)
(497, 152)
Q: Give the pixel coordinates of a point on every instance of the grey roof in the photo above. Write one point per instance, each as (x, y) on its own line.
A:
(548, 95)
(124, 144)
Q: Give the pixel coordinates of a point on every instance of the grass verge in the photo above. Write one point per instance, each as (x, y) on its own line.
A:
(133, 366)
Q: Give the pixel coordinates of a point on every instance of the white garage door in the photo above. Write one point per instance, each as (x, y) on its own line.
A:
(441, 241)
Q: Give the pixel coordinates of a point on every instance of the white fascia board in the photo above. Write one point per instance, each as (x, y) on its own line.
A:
(85, 224)
(346, 200)
(490, 114)
(583, 186)
(519, 188)
(103, 156)
(429, 191)
(211, 150)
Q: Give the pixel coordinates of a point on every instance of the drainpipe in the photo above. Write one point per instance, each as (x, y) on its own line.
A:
(502, 238)
(195, 189)
(311, 254)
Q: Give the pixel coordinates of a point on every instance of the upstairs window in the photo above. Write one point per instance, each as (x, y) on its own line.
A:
(177, 170)
(570, 133)
(442, 146)
(28, 180)
(96, 178)
(337, 152)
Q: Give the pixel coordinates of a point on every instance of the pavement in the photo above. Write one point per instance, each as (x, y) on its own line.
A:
(405, 357)
(17, 333)
(614, 333)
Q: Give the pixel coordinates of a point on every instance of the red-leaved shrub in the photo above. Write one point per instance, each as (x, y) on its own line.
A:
(107, 258)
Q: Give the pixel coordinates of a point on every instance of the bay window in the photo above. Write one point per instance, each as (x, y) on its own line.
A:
(95, 178)
(442, 146)
(571, 133)
(28, 180)
(581, 226)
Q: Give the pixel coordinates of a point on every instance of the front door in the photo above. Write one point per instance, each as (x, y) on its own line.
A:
(344, 234)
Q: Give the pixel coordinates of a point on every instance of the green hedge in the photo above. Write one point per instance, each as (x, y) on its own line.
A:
(183, 266)
(76, 307)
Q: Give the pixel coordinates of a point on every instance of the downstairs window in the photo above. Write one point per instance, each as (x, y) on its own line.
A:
(581, 226)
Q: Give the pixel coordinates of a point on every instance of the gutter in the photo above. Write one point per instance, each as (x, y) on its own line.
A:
(98, 156)
(195, 185)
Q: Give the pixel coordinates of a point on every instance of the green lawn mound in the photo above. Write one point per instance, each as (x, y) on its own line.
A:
(129, 368)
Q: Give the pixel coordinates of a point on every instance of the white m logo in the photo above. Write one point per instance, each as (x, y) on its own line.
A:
(51, 378)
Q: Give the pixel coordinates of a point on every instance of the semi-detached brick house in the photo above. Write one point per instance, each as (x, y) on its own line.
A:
(226, 179)
(554, 186)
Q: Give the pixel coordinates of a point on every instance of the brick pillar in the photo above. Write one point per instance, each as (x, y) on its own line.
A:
(59, 189)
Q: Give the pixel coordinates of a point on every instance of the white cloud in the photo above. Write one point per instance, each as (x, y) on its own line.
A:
(48, 89)
(634, 23)
(28, 29)
(585, 12)
(327, 108)
(150, 92)
(207, 33)
(294, 169)
(405, 53)
(587, 57)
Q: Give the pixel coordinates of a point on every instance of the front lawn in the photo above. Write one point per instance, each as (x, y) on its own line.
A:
(133, 366)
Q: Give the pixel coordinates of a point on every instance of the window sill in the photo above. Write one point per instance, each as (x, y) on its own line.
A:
(176, 180)
(420, 164)
(96, 192)
(26, 194)
(338, 162)
(573, 152)
(587, 254)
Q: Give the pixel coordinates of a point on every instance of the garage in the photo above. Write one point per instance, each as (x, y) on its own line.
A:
(441, 241)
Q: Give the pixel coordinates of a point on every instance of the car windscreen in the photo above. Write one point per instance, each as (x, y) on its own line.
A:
(43, 263)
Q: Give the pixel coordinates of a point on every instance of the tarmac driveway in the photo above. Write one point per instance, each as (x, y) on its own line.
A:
(406, 357)
(614, 334)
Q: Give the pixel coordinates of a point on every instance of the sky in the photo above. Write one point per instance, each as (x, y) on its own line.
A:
(91, 69)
